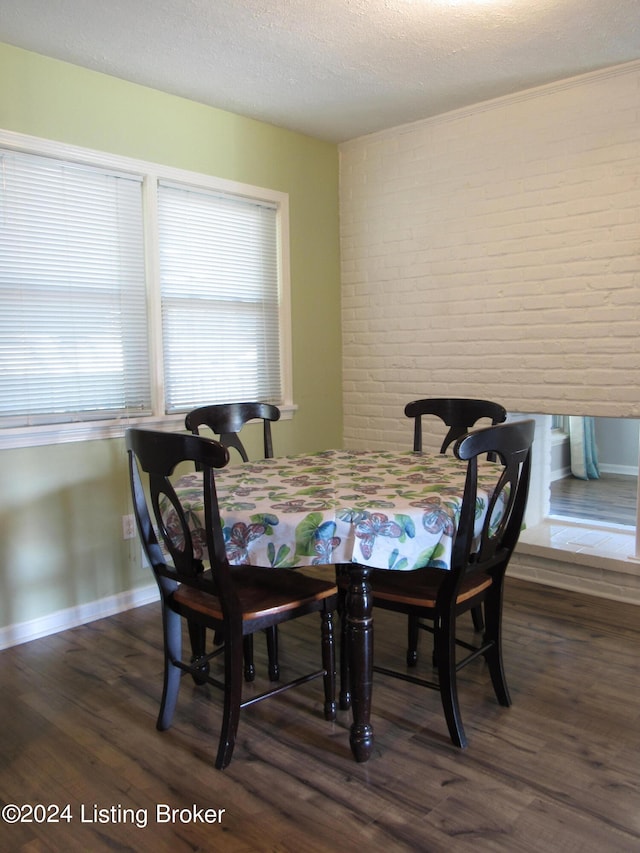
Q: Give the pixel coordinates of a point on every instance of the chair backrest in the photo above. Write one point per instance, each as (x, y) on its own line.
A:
(227, 419)
(510, 445)
(157, 454)
(459, 414)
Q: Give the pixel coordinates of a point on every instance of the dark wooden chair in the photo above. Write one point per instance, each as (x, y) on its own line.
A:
(477, 571)
(235, 602)
(459, 414)
(226, 420)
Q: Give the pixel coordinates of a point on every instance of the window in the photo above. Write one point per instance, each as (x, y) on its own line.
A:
(219, 267)
(73, 303)
(133, 293)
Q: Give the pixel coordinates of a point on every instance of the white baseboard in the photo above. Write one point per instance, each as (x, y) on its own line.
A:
(71, 617)
(629, 470)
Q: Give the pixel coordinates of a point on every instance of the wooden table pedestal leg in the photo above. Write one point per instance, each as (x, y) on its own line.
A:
(360, 649)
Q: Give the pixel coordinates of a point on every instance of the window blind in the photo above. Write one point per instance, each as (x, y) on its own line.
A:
(220, 298)
(73, 324)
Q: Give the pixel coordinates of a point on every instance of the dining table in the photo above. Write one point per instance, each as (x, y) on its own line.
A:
(358, 509)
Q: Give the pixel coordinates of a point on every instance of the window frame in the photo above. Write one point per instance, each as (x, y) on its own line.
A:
(152, 174)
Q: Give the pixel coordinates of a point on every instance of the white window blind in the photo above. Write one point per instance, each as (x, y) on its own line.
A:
(220, 298)
(131, 292)
(73, 319)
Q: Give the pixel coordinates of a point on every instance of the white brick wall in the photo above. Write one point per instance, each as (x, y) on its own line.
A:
(494, 252)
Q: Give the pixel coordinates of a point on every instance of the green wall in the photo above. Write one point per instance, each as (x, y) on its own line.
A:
(61, 506)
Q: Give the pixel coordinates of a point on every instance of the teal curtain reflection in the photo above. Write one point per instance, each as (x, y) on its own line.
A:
(584, 452)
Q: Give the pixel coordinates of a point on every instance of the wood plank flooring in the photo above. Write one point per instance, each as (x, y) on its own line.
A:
(558, 771)
(611, 499)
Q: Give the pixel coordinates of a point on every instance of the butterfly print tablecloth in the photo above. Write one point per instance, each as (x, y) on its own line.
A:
(389, 510)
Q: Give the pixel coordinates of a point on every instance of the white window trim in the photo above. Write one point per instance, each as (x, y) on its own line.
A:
(152, 173)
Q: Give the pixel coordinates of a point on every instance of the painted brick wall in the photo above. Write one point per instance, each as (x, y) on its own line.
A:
(495, 252)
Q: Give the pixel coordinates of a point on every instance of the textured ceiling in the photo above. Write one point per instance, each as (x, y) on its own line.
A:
(333, 69)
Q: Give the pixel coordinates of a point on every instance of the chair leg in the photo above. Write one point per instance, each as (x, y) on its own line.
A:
(345, 677)
(233, 653)
(445, 653)
(493, 657)
(172, 630)
(329, 665)
(197, 635)
(478, 621)
(249, 668)
(412, 639)
(272, 652)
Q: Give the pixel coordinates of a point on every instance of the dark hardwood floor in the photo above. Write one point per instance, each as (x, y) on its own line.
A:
(611, 499)
(558, 771)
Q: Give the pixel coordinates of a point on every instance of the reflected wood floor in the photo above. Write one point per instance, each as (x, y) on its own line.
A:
(611, 499)
(556, 771)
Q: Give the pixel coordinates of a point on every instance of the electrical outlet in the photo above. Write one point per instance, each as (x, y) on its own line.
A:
(128, 527)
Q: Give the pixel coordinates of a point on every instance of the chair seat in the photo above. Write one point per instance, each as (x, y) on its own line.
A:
(420, 588)
(262, 592)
